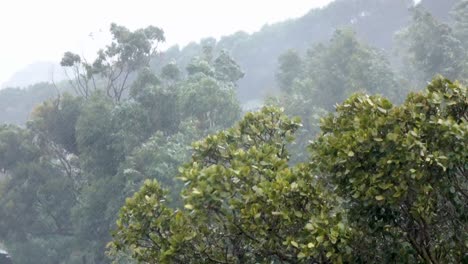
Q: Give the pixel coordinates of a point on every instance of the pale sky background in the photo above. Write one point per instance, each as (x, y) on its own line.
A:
(42, 30)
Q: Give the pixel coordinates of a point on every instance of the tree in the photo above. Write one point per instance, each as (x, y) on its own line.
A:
(128, 53)
(171, 72)
(346, 66)
(212, 103)
(227, 69)
(326, 75)
(208, 94)
(242, 204)
(431, 48)
(330, 73)
(159, 103)
(460, 15)
(401, 171)
(17, 103)
(290, 68)
(146, 136)
(36, 198)
(158, 158)
(297, 104)
(55, 120)
(94, 137)
(14, 147)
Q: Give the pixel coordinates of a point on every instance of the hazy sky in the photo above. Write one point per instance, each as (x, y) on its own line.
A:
(42, 30)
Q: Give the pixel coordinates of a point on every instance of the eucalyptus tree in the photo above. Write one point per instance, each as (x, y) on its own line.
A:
(112, 70)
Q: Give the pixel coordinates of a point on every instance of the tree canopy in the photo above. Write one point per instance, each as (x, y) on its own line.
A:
(384, 183)
(402, 173)
(242, 204)
(149, 156)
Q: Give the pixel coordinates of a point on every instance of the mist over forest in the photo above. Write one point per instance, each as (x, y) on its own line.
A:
(336, 137)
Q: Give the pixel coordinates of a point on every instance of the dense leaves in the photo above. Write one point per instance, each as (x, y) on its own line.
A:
(431, 47)
(64, 177)
(242, 204)
(402, 173)
(382, 182)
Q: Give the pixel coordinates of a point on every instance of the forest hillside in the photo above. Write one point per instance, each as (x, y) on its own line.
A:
(338, 137)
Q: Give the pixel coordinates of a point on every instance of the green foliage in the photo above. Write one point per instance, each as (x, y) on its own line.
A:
(208, 94)
(375, 22)
(227, 69)
(310, 116)
(123, 143)
(171, 72)
(347, 66)
(210, 102)
(16, 104)
(290, 68)
(14, 149)
(402, 173)
(55, 120)
(330, 73)
(35, 198)
(159, 104)
(431, 48)
(385, 183)
(242, 204)
(127, 54)
(93, 132)
(146, 211)
(158, 158)
(326, 75)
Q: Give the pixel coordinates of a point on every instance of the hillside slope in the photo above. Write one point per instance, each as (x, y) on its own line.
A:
(375, 21)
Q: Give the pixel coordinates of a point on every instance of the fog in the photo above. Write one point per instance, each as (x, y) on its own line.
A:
(35, 31)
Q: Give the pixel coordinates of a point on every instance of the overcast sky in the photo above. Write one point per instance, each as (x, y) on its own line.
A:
(42, 30)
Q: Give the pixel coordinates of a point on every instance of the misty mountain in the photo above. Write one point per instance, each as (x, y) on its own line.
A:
(41, 71)
(375, 21)
(16, 104)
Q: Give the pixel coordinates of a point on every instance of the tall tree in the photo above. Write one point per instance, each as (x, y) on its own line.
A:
(112, 69)
(332, 71)
(345, 66)
(290, 68)
(430, 48)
